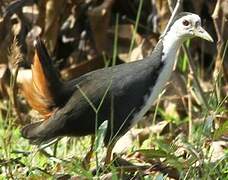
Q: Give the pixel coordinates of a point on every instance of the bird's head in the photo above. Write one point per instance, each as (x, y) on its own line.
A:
(188, 25)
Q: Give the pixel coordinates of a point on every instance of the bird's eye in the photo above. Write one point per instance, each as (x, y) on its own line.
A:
(185, 23)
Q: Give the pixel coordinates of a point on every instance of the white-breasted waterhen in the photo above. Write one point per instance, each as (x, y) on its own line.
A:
(123, 93)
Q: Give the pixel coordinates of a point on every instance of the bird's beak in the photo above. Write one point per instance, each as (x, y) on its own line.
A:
(202, 33)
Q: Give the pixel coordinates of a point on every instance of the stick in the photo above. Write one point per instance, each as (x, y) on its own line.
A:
(174, 11)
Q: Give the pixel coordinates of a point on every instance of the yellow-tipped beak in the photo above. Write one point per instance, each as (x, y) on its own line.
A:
(202, 33)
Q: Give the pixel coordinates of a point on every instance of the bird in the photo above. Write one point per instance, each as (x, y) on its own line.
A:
(120, 94)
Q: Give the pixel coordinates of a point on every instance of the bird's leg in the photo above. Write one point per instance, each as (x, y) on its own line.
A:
(109, 153)
(86, 160)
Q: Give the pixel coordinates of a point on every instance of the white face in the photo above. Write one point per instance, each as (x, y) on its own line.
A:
(186, 25)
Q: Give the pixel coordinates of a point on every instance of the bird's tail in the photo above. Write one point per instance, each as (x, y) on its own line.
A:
(42, 91)
(37, 133)
(31, 132)
(45, 76)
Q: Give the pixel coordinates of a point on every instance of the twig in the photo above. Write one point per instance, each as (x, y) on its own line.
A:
(136, 26)
(215, 16)
(195, 78)
(14, 92)
(55, 149)
(220, 44)
(174, 11)
(189, 109)
(16, 6)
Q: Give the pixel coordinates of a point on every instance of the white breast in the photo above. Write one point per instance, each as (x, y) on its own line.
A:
(170, 48)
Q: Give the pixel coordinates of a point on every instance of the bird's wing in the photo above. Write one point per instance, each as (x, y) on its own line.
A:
(87, 87)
